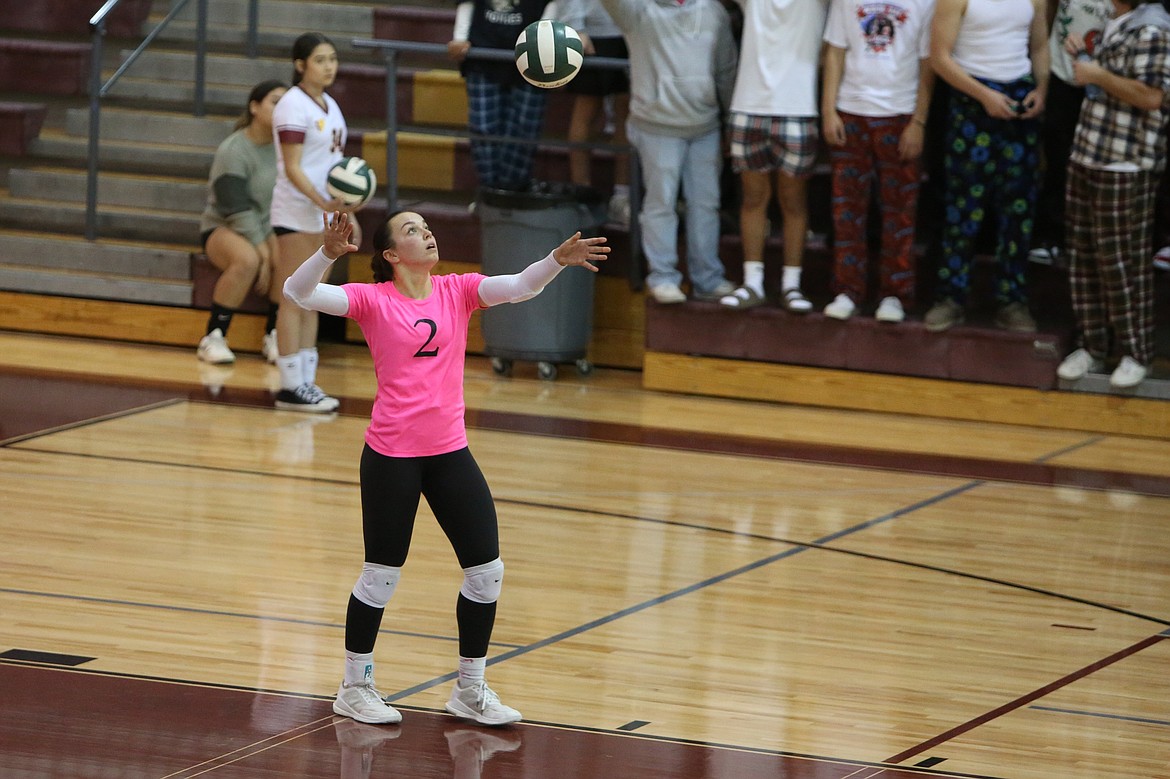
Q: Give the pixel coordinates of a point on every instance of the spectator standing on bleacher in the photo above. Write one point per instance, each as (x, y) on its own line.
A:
(590, 88)
(499, 101)
(236, 228)
(875, 100)
(774, 136)
(1118, 156)
(310, 134)
(994, 53)
(1062, 106)
(682, 72)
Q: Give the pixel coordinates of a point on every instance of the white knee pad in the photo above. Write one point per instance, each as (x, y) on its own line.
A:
(376, 584)
(482, 583)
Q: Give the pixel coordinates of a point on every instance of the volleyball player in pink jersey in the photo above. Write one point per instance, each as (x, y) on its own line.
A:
(416, 445)
(310, 134)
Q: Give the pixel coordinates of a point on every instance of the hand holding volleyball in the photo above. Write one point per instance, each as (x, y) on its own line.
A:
(549, 54)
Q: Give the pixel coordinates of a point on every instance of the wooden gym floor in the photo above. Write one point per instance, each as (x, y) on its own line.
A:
(696, 587)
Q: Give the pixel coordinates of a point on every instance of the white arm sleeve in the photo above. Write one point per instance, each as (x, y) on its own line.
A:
(305, 289)
(463, 14)
(517, 287)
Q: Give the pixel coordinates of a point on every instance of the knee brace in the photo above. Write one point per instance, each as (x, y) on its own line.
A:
(376, 584)
(482, 583)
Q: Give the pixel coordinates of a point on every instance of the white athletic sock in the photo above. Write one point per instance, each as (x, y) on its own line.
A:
(309, 360)
(791, 277)
(290, 371)
(471, 670)
(753, 276)
(621, 189)
(359, 667)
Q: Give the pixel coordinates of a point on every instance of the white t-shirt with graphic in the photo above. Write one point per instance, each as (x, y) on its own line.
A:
(884, 44)
(1086, 18)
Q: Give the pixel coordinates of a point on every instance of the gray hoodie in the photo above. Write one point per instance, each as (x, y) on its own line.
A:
(682, 63)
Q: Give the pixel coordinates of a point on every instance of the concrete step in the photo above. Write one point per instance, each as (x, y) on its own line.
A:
(280, 22)
(137, 224)
(126, 156)
(81, 284)
(163, 65)
(181, 129)
(112, 258)
(114, 189)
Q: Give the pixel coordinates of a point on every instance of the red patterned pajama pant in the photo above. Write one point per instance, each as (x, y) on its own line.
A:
(871, 152)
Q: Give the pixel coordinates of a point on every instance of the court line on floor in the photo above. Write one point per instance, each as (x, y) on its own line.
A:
(219, 613)
(1024, 700)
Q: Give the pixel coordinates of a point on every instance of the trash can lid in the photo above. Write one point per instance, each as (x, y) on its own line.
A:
(538, 195)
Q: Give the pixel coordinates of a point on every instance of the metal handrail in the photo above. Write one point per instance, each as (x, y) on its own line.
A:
(98, 89)
(390, 50)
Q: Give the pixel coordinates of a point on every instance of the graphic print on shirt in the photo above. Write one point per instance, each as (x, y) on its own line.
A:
(879, 23)
(423, 351)
(504, 12)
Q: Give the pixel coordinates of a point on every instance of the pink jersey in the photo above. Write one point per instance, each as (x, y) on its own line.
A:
(418, 348)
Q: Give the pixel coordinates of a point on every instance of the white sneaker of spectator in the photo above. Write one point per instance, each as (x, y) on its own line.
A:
(890, 310)
(213, 349)
(269, 348)
(841, 308)
(1162, 259)
(1128, 373)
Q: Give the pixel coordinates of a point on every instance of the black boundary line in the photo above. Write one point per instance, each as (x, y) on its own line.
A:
(820, 545)
(529, 723)
(228, 614)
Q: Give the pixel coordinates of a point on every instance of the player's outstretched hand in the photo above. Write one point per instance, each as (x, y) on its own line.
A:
(581, 251)
(338, 231)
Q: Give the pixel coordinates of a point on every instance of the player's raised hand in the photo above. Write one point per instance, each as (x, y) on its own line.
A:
(581, 251)
(338, 231)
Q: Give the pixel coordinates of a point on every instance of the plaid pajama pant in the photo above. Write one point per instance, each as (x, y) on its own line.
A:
(516, 111)
(1108, 219)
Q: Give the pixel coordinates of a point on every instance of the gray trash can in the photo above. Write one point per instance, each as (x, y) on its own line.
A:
(516, 229)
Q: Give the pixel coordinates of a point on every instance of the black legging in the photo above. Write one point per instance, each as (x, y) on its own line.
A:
(458, 495)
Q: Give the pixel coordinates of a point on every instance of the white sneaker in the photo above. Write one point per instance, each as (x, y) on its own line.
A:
(841, 308)
(1162, 259)
(478, 702)
(890, 310)
(363, 703)
(268, 347)
(668, 294)
(213, 348)
(619, 210)
(1128, 373)
(1044, 255)
(1077, 364)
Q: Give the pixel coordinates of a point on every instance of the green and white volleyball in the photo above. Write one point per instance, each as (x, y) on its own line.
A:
(549, 54)
(351, 181)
